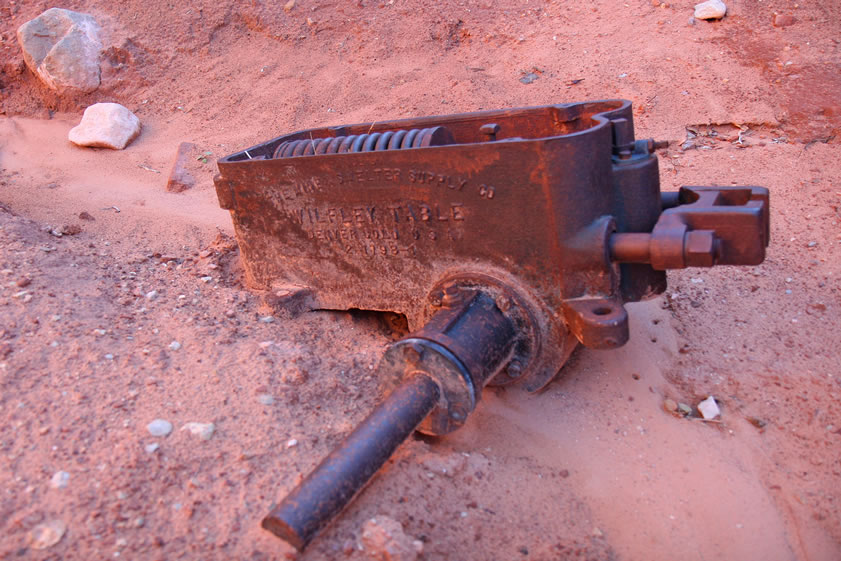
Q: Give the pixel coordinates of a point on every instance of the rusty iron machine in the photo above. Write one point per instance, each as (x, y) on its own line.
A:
(506, 238)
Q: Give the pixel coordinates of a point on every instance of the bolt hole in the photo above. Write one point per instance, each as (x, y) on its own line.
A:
(603, 311)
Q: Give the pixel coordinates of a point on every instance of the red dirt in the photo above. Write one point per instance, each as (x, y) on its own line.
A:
(592, 468)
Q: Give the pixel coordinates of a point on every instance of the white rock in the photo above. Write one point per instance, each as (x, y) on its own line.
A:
(106, 125)
(709, 408)
(383, 539)
(47, 534)
(202, 430)
(711, 9)
(62, 48)
(265, 399)
(159, 427)
(152, 448)
(291, 442)
(174, 346)
(152, 294)
(60, 480)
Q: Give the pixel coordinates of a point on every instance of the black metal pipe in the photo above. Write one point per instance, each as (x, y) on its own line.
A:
(342, 474)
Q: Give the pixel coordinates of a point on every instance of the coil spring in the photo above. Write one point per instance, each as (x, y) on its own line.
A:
(374, 142)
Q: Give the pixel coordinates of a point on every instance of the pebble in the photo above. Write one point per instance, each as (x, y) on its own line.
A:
(684, 409)
(174, 346)
(529, 78)
(709, 408)
(265, 399)
(60, 480)
(206, 279)
(267, 319)
(670, 405)
(47, 534)
(291, 442)
(383, 538)
(152, 448)
(159, 427)
(202, 430)
(448, 465)
(711, 9)
(783, 20)
(105, 125)
(152, 294)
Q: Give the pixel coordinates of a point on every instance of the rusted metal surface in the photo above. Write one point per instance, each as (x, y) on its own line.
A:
(505, 237)
(342, 474)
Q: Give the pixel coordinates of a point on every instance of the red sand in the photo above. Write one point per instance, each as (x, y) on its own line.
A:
(592, 468)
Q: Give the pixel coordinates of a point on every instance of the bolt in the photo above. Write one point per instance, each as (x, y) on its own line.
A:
(452, 296)
(515, 369)
(701, 248)
(458, 413)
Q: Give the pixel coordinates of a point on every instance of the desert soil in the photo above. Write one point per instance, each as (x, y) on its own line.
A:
(591, 468)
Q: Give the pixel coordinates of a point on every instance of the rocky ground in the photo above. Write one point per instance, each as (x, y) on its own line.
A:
(122, 303)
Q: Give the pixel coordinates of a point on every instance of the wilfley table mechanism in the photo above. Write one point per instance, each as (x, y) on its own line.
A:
(506, 238)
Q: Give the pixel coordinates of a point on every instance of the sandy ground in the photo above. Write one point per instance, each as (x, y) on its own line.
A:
(591, 468)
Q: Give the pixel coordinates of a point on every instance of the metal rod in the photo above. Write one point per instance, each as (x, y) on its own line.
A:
(342, 474)
(630, 248)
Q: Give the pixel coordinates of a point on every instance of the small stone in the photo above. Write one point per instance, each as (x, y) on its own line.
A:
(294, 376)
(383, 539)
(174, 346)
(70, 230)
(265, 399)
(60, 480)
(202, 430)
(291, 442)
(684, 409)
(288, 6)
(159, 427)
(62, 48)
(709, 408)
(448, 465)
(152, 448)
(711, 9)
(84, 215)
(529, 78)
(47, 534)
(180, 179)
(206, 279)
(267, 319)
(670, 405)
(23, 282)
(230, 313)
(152, 294)
(106, 125)
(783, 20)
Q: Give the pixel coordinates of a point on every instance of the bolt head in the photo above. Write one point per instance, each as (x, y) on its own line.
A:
(700, 248)
(514, 369)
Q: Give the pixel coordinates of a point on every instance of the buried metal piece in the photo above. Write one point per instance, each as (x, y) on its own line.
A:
(506, 238)
(438, 375)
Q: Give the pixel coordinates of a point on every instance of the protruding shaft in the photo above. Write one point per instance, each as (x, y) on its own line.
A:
(342, 474)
